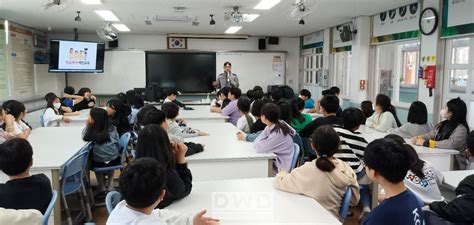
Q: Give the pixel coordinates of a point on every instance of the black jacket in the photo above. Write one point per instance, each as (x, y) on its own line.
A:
(178, 184)
(309, 129)
(461, 209)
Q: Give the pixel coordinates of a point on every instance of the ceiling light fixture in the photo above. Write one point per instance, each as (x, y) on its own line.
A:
(92, 2)
(301, 21)
(250, 17)
(212, 22)
(266, 4)
(233, 29)
(121, 27)
(7, 31)
(107, 15)
(78, 17)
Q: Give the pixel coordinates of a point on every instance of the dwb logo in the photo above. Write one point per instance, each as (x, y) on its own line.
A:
(243, 206)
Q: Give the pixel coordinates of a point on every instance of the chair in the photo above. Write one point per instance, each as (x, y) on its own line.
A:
(50, 208)
(299, 141)
(111, 200)
(41, 120)
(431, 218)
(294, 161)
(72, 181)
(346, 202)
(123, 143)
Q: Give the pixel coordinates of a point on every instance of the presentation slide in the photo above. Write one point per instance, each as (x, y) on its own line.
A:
(77, 55)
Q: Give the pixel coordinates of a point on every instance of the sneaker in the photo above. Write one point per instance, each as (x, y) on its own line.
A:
(363, 216)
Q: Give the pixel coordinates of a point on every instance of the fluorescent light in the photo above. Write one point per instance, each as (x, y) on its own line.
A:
(233, 30)
(121, 27)
(250, 17)
(107, 15)
(7, 32)
(266, 4)
(92, 2)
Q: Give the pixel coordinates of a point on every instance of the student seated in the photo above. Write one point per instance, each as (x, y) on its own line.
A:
(151, 115)
(385, 116)
(337, 92)
(461, 209)
(136, 103)
(20, 216)
(217, 101)
(387, 163)
(22, 190)
(171, 111)
(105, 145)
(87, 102)
(257, 127)
(285, 111)
(352, 149)
(118, 113)
(450, 133)
(18, 111)
(276, 95)
(423, 179)
(122, 97)
(305, 95)
(153, 142)
(142, 185)
(7, 126)
(367, 109)
(324, 179)
(246, 120)
(276, 138)
(257, 95)
(171, 96)
(417, 122)
(53, 113)
(69, 98)
(231, 109)
(299, 119)
(329, 107)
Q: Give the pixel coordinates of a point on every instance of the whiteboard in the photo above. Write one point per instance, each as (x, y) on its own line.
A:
(254, 68)
(123, 70)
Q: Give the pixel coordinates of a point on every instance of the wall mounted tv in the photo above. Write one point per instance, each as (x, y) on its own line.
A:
(76, 56)
(189, 72)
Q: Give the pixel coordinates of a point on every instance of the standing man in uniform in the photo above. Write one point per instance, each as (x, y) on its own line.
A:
(227, 78)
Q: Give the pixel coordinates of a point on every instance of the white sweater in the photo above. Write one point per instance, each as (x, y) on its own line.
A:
(426, 189)
(122, 215)
(410, 130)
(50, 118)
(381, 121)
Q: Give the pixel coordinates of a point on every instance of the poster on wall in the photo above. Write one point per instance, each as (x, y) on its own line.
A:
(458, 18)
(342, 37)
(4, 92)
(21, 60)
(396, 24)
(313, 40)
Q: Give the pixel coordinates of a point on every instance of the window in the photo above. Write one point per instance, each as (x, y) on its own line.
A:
(342, 62)
(312, 63)
(459, 73)
(396, 70)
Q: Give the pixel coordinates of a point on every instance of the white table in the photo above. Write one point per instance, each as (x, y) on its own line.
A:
(453, 178)
(237, 199)
(202, 114)
(225, 157)
(76, 121)
(52, 147)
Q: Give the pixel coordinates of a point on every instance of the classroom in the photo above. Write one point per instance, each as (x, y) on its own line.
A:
(206, 112)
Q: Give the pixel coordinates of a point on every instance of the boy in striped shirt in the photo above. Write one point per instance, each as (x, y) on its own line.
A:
(353, 145)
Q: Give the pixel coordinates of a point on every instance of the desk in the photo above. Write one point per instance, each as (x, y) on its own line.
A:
(225, 157)
(76, 121)
(453, 178)
(52, 147)
(202, 114)
(287, 208)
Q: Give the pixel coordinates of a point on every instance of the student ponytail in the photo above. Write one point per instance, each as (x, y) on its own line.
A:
(417, 164)
(385, 103)
(272, 113)
(326, 141)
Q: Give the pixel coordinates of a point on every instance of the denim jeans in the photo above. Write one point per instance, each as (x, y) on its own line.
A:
(365, 196)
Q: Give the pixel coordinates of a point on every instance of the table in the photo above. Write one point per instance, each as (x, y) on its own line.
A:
(252, 201)
(202, 114)
(76, 121)
(453, 178)
(225, 157)
(50, 154)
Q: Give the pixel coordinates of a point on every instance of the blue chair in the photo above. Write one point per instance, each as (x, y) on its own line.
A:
(111, 200)
(72, 181)
(299, 141)
(41, 120)
(296, 153)
(345, 204)
(123, 143)
(50, 208)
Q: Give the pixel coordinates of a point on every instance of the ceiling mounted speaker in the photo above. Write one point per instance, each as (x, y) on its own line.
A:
(107, 33)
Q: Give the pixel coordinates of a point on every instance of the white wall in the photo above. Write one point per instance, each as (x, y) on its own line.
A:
(359, 68)
(158, 42)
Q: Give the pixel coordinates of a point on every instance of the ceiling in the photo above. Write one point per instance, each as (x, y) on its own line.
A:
(273, 22)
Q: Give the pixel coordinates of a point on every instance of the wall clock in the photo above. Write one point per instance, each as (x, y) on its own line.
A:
(428, 21)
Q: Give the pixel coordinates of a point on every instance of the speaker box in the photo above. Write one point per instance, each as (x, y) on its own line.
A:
(273, 40)
(113, 44)
(261, 44)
